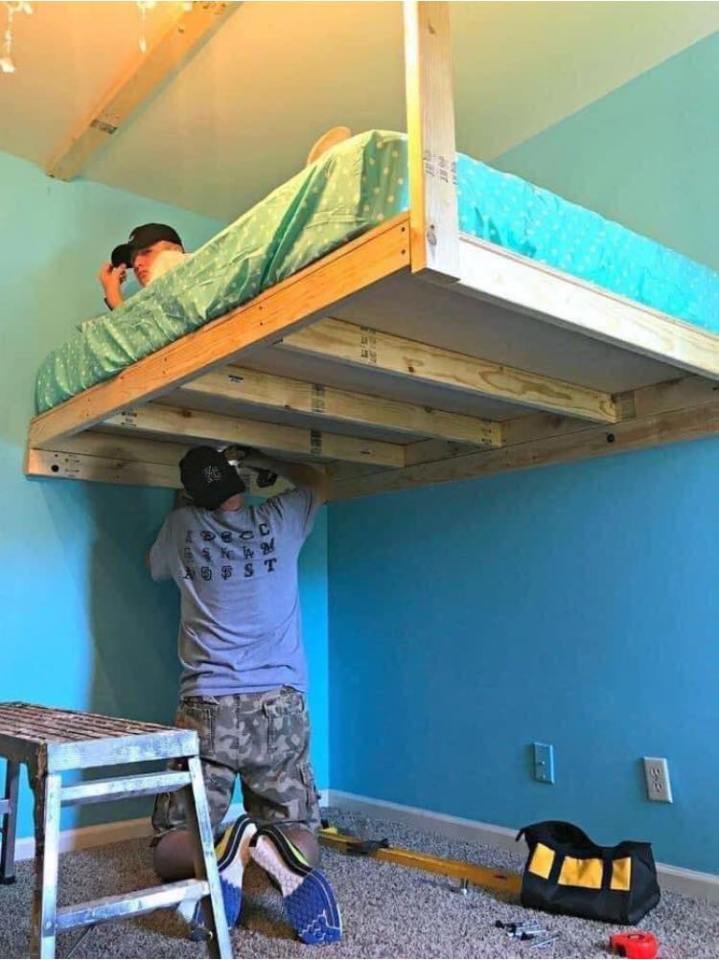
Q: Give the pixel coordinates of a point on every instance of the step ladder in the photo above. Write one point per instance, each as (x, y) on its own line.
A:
(53, 742)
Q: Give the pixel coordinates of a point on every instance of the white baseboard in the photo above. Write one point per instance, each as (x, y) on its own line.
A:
(81, 838)
(692, 883)
(458, 828)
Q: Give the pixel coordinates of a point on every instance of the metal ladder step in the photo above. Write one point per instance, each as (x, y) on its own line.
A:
(97, 791)
(129, 904)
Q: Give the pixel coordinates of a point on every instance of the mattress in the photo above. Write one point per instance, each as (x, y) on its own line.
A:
(350, 189)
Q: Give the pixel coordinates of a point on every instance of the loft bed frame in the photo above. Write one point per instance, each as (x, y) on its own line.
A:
(412, 355)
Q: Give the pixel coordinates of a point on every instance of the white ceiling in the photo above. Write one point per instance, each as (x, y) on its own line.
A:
(239, 117)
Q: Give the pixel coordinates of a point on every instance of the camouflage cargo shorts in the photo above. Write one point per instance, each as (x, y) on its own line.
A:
(261, 737)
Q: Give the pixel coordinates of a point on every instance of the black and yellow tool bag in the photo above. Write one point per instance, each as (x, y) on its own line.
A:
(566, 872)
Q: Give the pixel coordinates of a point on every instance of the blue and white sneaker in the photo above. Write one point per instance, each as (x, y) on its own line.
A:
(233, 854)
(309, 901)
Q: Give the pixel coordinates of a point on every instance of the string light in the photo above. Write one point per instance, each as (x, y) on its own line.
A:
(7, 64)
(144, 6)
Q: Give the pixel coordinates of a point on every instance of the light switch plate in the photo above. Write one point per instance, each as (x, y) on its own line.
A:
(544, 762)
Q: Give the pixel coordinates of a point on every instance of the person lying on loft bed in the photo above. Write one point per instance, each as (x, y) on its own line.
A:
(244, 682)
(154, 248)
(151, 250)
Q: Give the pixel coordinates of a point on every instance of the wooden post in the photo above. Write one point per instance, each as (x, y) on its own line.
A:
(434, 221)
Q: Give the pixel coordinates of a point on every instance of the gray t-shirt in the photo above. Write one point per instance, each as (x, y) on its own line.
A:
(240, 610)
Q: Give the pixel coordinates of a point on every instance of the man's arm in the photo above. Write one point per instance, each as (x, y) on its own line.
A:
(111, 279)
(156, 558)
(299, 474)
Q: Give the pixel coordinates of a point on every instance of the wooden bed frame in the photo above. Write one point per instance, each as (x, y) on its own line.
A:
(413, 355)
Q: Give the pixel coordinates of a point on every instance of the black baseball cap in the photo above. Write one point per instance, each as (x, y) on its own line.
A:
(140, 238)
(209, 478)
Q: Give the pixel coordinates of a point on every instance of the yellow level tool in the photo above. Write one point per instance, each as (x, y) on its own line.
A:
(498, 880)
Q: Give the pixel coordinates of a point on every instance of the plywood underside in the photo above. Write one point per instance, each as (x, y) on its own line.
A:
(441, 316)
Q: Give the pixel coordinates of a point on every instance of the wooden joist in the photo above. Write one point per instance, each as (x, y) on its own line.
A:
(348, 343)
(269, 392)
(138, 81)
(197, 426)
(667, 413)
(287, 305)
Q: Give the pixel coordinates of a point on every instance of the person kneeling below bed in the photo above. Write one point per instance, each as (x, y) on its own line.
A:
(244, 683)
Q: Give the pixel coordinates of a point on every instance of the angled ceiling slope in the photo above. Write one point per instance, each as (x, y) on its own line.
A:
(238, 118)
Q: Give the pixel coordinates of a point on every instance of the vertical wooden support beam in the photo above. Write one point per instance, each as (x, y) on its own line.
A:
(434, 221)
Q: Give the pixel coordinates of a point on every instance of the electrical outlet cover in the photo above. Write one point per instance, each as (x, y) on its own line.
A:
(656, 773)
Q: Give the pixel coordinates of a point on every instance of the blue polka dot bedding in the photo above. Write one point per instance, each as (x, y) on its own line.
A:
(350, 189)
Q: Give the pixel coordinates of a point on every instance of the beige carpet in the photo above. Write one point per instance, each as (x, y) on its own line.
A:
(388, 911)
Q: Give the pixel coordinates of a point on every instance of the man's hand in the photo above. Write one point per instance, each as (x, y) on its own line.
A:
(111, 279)
(247, 456)
(299, 474)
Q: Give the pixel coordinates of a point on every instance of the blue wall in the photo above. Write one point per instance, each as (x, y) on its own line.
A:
(83, 626)
(575, 604)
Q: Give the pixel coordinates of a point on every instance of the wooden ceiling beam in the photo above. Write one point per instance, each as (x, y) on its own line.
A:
(348, 343)
(138, 81)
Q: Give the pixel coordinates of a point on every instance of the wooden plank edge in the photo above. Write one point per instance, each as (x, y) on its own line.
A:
(77, 466)
(490, 272)
(68, 465)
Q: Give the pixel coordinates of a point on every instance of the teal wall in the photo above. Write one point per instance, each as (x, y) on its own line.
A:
(83, 626)
(575, 604)
(646, 155)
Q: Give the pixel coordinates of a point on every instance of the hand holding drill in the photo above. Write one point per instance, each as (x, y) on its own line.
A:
(245, 456)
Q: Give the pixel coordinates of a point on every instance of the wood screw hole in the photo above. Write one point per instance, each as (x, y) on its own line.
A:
(611, 438)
